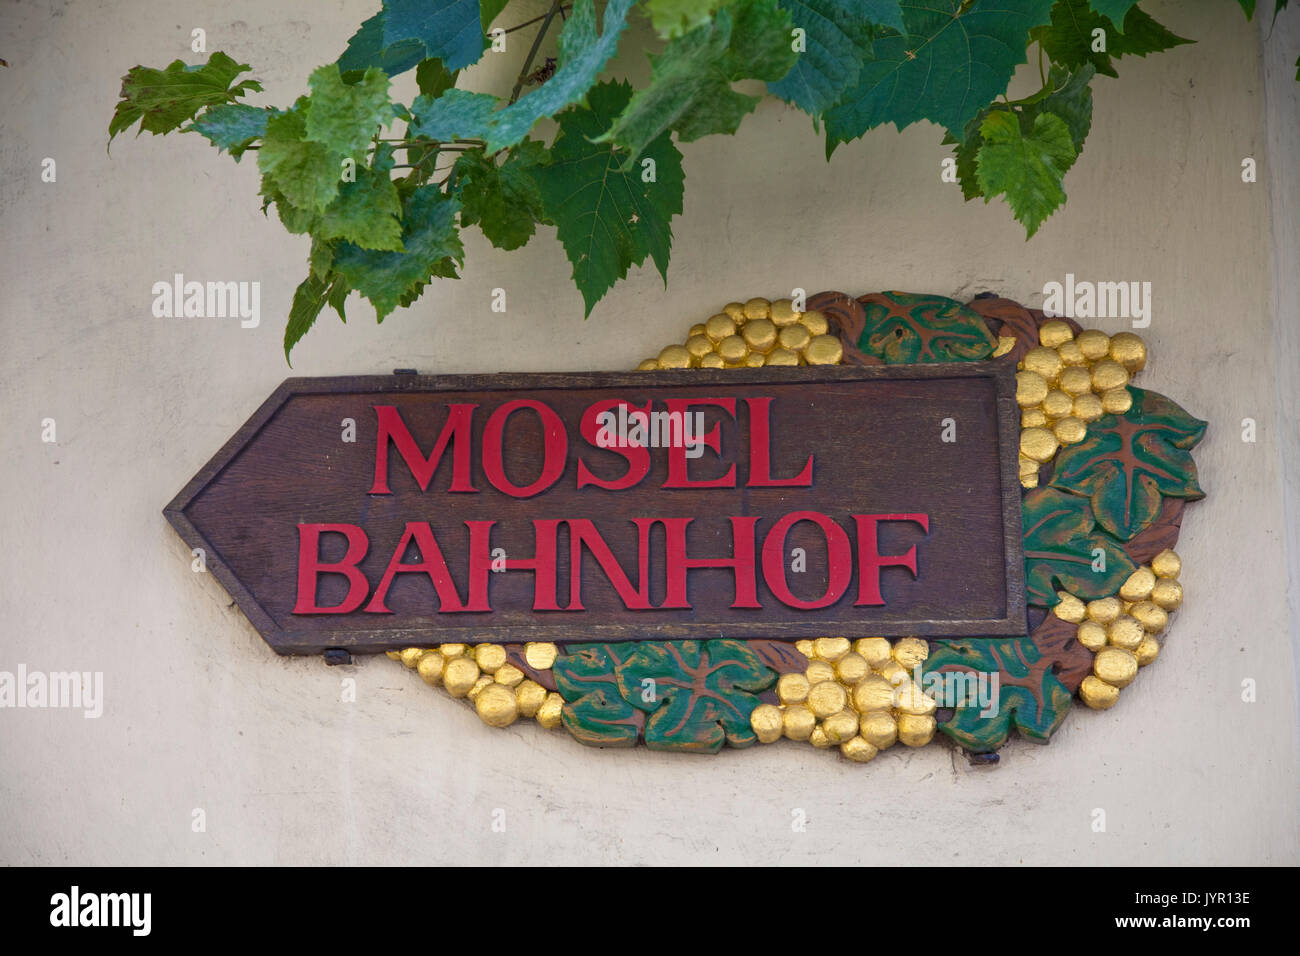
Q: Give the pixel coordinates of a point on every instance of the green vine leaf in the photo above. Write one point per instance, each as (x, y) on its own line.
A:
(1026, 166)
(367, 49)
(431, 244)
(951, 61)
(345, 116)
(308, 299)
(451, 30)
(365, 213)
(690, 83)
(504, 201)
(595, 713)
(886, 13)
(698, 694)
(607, 218)
(1128, 462)
(672, 18)
(839, 41)
(294, 169)
(1030, 696)
(1062, 548)
(583, 54)
(232, 127)
(1113, 10)
(163, 100)
(904, 328)
(454, 114)
(1068, 40)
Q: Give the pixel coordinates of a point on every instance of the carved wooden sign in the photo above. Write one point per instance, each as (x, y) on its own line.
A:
(376, 513)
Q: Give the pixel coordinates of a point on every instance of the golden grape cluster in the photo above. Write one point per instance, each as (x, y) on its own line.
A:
(1066, 382)
(482, 673)
(858, 696)
(1123, 630)
(753, 334)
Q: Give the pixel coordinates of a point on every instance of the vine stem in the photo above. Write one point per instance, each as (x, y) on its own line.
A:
(529, 23)
(1042, 77)
(532, 52)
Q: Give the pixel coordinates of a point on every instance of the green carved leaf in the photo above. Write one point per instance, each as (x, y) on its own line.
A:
(838, 38)
(1026, 166)
(162, 100)
(903, 328)
(952, 60)
(607, 218)
(232, 126)
(1128, 462)
(431, 244)
(1061, 541)
(1068, 38)
(1030, 697)
(595, 713)
(698, 694)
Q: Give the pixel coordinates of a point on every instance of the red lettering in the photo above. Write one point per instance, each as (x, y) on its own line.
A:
(760, 450)
(839, 560)
(582, 531)
(638, 456)
(678, 477)
(871, 561)
(431, 563)
(741, 561)
(555, 448)
(542, 564)
(392, 426)
(310, 567)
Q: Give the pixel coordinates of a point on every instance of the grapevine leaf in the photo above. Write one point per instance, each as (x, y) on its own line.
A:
(672, 18)
(583, 54)
(886, 13)
(456, 114)
(1061, 545)
(367, 49)
(304, 173)
(1070, 99)
(1128, 462)
(1068, 38)
(1030, 696)
(690, 82)
(451, 30)
(698, 694)
(595, 713)
(607, 218)
(1248, 7)
(433, 78)
(344, 116)
(431, 246)
(365, 213)
(232, 126)
(838, 40)
(308, 300)
(1025, 167)
(1113, 10)
(489, 10)
(503, 200)
(952, 59)
(321, 257)
(904, 328)
(162, 100)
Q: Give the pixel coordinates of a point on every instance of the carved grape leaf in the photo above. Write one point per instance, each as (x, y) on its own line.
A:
(904, 328)
(698, 694)
(1061, 542)
(595, 713)
(1030, 696)
(1128, 462)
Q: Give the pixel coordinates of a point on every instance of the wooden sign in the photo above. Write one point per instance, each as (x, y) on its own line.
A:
(375, 513)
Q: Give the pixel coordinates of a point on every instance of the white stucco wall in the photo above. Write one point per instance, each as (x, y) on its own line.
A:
(199, 713)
